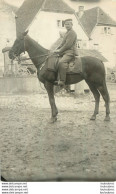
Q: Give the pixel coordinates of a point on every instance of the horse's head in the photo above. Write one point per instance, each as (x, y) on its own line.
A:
(18, 46)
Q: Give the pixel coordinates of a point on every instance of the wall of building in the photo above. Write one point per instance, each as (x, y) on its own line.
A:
(8, 30)
(105, 43)
(45, 29)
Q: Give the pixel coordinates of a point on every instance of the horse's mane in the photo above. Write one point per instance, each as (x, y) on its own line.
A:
(37, 45)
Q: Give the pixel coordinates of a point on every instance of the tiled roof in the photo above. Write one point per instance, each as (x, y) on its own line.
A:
(82, 52)
(30, 8)
(93, 17)
(26, 14)
(105, 19)
(57, 6)
(93, 53)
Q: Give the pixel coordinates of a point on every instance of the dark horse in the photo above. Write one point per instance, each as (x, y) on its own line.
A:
(93, 72)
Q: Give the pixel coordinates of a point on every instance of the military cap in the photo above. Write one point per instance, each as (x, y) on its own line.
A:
(67, 20)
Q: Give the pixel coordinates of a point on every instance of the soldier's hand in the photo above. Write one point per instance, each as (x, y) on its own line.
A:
(57, 51)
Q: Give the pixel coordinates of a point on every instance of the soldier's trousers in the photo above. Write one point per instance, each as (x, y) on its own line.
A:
(63, 65)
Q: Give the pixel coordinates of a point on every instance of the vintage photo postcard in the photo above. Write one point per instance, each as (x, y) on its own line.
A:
(58, 90)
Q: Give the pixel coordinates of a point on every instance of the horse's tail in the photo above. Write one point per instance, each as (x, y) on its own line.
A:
(103, 68)
(105, 87)
(104, 80)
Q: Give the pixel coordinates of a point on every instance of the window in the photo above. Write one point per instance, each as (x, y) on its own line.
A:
(60, 23)
(63, 23)
(81, 44)
(107, 30)
(96, 46)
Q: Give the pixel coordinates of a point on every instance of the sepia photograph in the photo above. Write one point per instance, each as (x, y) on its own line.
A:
(58, 90)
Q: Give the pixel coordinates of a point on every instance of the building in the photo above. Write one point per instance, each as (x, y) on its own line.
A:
(45, 20)
(7, 32)
(101, 31)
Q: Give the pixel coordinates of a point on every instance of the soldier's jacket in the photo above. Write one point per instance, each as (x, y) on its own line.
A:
(68, 45)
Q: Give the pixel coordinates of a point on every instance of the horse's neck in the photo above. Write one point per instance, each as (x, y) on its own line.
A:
(35, 50)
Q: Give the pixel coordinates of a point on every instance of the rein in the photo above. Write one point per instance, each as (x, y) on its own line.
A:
(38, 57)
(48, 54)
(35, 57)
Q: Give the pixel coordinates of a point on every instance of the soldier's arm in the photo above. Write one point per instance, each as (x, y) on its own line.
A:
(71, 38)
(61, 44)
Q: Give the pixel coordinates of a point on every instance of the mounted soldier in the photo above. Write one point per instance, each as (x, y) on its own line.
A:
(93, 70)
(67, 50)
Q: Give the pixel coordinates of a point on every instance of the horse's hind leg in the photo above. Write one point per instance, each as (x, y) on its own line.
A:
(50, 91)
(104, 92)
(97, 99)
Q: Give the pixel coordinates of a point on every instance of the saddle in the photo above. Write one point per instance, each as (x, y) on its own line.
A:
(74, 66)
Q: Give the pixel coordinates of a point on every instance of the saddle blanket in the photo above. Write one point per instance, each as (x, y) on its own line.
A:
(75, 66)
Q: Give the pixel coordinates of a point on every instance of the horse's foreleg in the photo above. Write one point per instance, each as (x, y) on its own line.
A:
(97, 99)
(50, 91)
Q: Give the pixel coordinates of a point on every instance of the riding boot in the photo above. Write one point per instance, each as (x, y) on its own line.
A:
(62, 73)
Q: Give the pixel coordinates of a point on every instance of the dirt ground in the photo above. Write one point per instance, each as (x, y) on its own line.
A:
(73, 148)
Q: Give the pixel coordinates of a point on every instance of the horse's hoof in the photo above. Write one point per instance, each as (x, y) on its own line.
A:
(53, 120)
(107, 118)
(93, 118)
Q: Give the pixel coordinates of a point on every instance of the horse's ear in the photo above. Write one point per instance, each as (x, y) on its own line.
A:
(25, 33)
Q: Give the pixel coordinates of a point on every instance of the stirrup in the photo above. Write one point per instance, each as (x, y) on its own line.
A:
(59, 83)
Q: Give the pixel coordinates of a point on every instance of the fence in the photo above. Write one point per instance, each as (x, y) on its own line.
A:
(17, 85)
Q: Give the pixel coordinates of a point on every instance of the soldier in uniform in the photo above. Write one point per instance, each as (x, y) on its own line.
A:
(67, 50)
